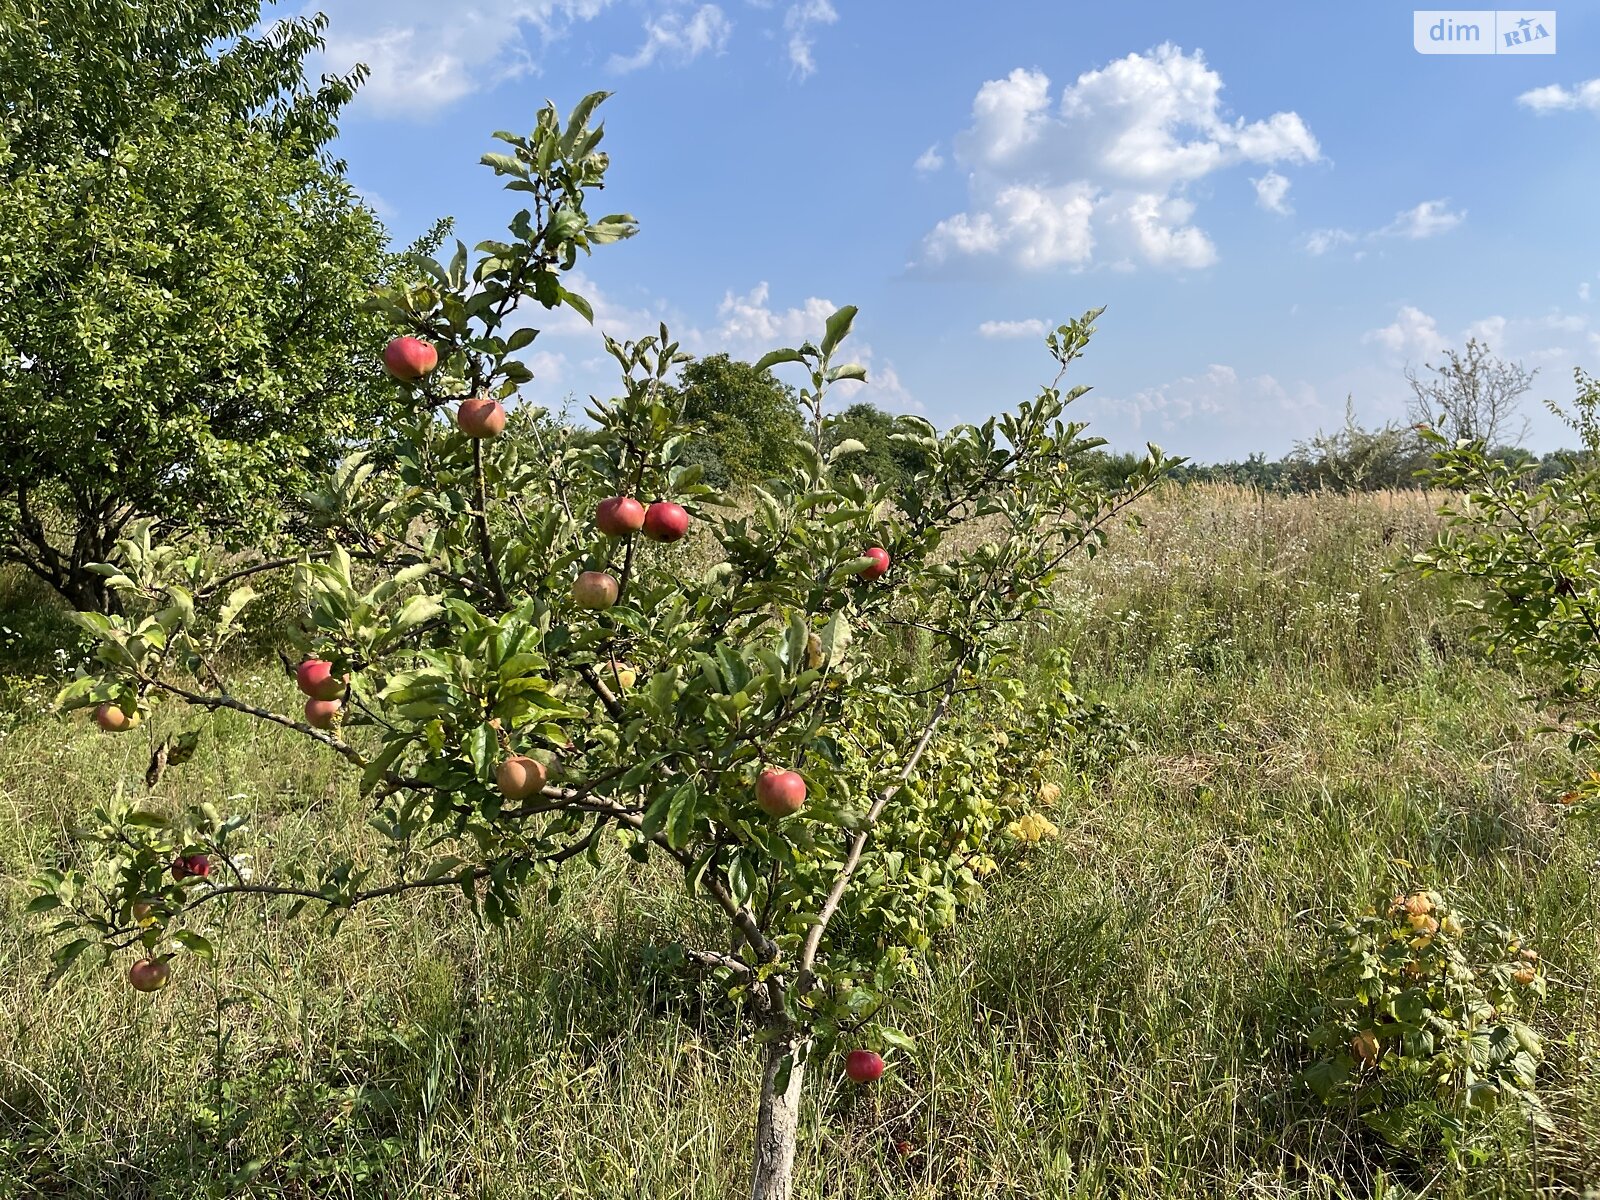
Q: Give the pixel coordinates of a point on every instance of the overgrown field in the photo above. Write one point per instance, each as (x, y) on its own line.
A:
(1125, 1019)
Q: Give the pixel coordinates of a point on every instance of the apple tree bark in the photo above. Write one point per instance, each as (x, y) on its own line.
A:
(779, 1119)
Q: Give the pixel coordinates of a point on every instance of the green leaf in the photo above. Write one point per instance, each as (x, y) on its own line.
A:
(837, 328)
(681, 814)
(195, 944)
(774, 357)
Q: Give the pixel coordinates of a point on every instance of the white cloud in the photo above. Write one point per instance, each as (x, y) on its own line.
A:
(1031, 327)
(1415, 336)
(1216, 392)
(678, 38)
(1272, 193)
(1412, 334)
(1556, 98)
(1320, 241)
(929, 161)
(1583, 291)
(749, 326)
(799, 22)
(1428, 219)
(424, 56)
(1107, 163)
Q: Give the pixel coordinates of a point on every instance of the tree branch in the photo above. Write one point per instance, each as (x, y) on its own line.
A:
(808, 949)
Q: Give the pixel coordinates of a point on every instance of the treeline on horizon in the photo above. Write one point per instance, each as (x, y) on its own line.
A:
(750, 418)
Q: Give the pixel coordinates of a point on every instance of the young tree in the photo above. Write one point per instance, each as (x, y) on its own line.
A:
(748, 419)
(1472, 397)
(886, 455)
(181, 330)
(1357, 459)
(1531, 550)
(809, 730)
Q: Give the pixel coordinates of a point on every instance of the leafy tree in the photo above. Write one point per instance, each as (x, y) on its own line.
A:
(810, 734)
(886, 456)
(1473, 396)
(748, 419)
(1532, 550)
(1355, 459)
(182, 274)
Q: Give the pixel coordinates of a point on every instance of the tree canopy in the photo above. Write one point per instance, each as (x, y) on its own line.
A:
(749, 420)
(183, 272)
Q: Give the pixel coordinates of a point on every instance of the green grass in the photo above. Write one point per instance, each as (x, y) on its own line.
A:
(1123, 1018)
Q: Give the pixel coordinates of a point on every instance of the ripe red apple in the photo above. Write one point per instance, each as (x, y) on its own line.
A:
(619, 516)
(595, 589)
(665, 521)
(315, 678)
(880, 564)
(112, 719)
(863, 1066)
(320, 713)
(481, 417)
(519, 777)
(149, 974)
(197, 865)
(780, 793)
(180, 868)
(409, 358)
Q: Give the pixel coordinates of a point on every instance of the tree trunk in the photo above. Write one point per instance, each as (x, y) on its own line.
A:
(778, 1122)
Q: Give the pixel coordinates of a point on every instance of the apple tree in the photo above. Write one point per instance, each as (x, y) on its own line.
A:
(825, 731)
(1530, 553)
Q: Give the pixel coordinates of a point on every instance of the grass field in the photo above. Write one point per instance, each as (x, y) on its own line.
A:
(1123, 1018)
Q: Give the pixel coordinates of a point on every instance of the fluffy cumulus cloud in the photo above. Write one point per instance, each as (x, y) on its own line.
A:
(1032, 327)
(1103, 169)
(678, 38)
(1272, 193)
(1412, 334)
(1555, 98)
(1426, 220)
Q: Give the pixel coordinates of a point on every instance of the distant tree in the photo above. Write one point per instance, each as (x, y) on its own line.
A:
(1354, 458)
(886, 460)
(182, 331)
(1472, 396)
(749, 418)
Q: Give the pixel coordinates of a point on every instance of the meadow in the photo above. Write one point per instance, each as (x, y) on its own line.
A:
(1301, 729)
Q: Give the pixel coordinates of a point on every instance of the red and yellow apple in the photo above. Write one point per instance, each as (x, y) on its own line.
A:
(519, 777)
(112, 719)
(149, 974)
(863, 1066)
(320, 714)
(595, 589)
(315, 678)
(619, 516)
(665, 521)
(409, 358)
(780, 793)
(481, 417)
(879, 566)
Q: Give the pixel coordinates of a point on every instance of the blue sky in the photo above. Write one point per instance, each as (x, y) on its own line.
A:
(1279, 205)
